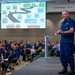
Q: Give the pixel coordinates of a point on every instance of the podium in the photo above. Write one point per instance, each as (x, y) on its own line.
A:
(46, 46)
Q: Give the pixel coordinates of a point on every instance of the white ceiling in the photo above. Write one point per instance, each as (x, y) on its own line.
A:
(52, 1)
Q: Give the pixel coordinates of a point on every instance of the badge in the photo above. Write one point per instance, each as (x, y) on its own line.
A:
(66, 27)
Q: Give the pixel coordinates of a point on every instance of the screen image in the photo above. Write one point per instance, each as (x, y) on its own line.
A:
(23, 15)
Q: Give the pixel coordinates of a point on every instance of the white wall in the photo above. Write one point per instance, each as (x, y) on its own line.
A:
(52, 7)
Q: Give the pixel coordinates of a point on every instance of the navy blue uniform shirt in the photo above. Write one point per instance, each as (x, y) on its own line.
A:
(15, 54)
(28, 46)
(2, 52)
(65, 26)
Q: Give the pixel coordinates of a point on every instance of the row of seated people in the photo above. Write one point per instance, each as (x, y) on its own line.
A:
(54, 49)
(10, 52)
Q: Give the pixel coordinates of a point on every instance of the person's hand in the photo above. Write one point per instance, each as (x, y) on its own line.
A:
(58, 32)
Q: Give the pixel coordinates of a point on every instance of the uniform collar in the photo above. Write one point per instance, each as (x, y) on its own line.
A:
(67, 19)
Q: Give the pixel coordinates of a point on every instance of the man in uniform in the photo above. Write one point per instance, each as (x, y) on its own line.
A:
(66, 43)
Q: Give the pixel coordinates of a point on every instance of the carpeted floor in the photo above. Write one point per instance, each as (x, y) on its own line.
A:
(19, 66)
(41, 66)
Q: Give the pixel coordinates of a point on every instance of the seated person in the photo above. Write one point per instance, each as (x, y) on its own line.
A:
(49, 46)
(25, 50)
(2, 57)
(56, 48)
(38, 49)
(14, 55)
(23, 53)
(28, 46)
(43, 45)
(21, 47)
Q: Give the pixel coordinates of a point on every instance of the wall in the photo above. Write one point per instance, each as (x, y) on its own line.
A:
(58, 7)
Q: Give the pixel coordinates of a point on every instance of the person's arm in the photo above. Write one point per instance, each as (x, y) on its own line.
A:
(65, 32)
(68, 31)
(15, 58)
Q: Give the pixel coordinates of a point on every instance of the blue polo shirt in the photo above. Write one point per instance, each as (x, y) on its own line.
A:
(15, 54)
(2, 52)
(28, 46)
(65, 26)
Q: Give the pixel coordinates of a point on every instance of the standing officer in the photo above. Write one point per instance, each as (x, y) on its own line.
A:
(66, 43)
